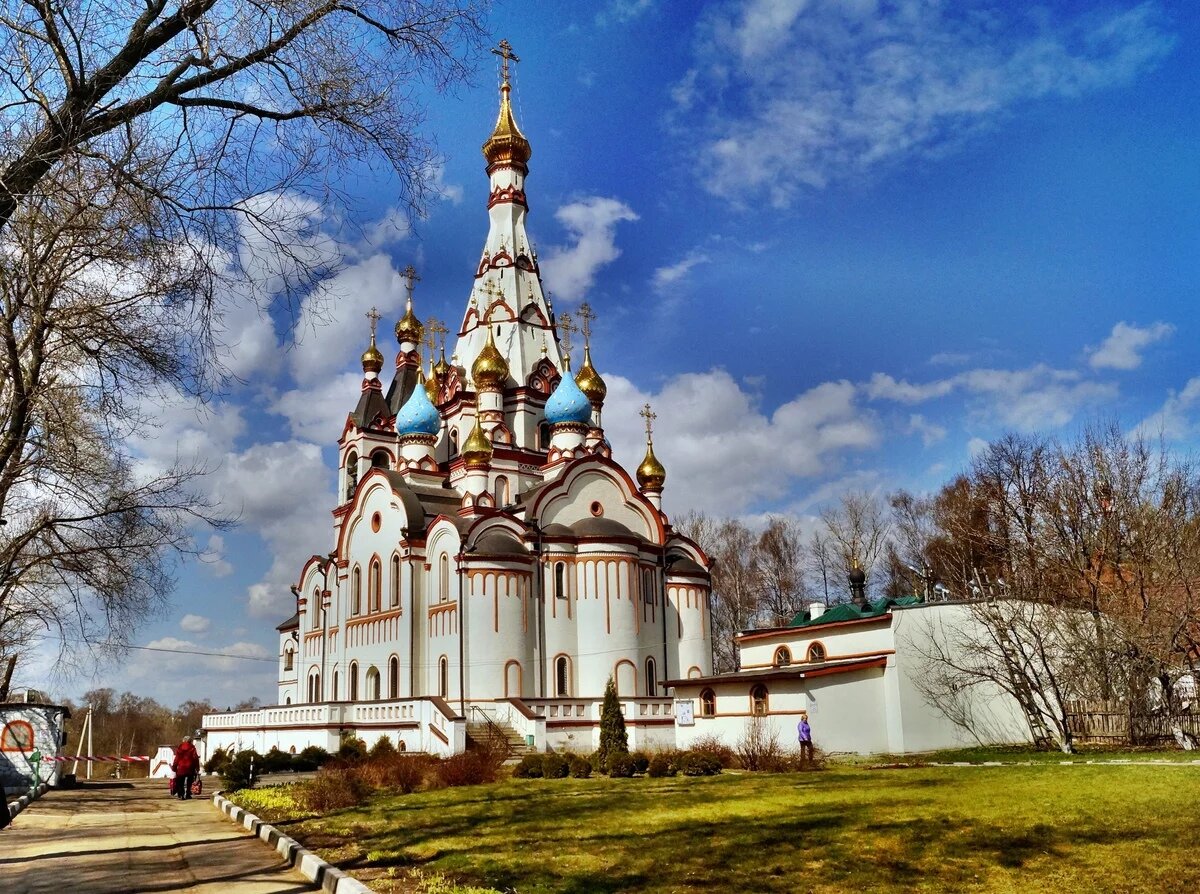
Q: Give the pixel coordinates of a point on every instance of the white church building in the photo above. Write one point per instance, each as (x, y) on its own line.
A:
(490, 565)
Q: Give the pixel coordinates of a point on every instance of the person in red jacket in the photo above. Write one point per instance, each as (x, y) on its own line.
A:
(186, 766)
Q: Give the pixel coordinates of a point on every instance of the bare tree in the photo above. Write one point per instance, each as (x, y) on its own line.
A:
(778, 564)
(138, 140)
(858, 529)
(822, 566)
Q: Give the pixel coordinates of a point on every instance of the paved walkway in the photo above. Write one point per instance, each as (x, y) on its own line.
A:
(131, 837)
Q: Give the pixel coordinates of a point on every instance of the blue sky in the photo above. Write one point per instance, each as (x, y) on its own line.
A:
(835, 244)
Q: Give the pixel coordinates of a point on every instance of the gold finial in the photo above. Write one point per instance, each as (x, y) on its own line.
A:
(490, 369)
(409, 328)
(504, 51)
(566, 325)
(545, 348)
(589, 380)
(651, 475)
(373, 316)
(432, 326)
(372, 359)
(586, 314)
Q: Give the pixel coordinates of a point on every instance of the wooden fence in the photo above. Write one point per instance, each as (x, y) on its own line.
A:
(1111, 723)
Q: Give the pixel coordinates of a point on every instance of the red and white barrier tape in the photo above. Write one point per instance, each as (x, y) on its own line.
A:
(103, 758)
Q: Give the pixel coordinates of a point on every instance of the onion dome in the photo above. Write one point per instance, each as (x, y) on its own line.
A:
(372, 359)
(857, 575)
(589, 380)
(568, 403)
(490, 369)
(507, 145)
(409, 328)
(418, 416)
(650, 474)
(477, 451)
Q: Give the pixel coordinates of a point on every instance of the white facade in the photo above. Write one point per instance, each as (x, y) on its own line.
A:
(859, 682)
(488, 555)
(27, 728)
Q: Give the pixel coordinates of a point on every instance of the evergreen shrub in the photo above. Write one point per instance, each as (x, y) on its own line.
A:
(311, 758)
(621, 765)
(660, 765)
(236, 774)
(698, 763)
(555, 766)
(613, 738)
(641, 761)
(530, 767)
(276, 761)
(216, 761)
(581, 767)
(382, 748)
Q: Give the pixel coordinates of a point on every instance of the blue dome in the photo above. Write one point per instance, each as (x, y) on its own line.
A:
(418, 416)
(568, 403)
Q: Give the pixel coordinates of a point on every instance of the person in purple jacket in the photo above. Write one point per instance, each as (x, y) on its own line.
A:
(804, 731)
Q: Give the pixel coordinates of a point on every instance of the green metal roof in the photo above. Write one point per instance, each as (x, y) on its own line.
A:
(849, 612)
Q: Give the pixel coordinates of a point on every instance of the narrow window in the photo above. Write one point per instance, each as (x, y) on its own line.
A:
(708, 703)
(453, 443)
(394, 677)
(288, 656)
(373, 586)
(501, 492)
(758, 699)
(353, 684)
(395, 581)
(560, 572)
(544, 436)
(334, 695)
(651, 678)
(356, 590)
(648, 587)
(351, 475)
(317, 609)
(373, 693)
(783, 656)
(562, 683)
(444, 677)
(444, 578)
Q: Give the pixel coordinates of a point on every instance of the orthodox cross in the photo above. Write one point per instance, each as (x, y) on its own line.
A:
(373, 316)
(504, 51)
(586, 314)
(566, 325)
(438, 329)
(433, 326)
(649, 416)
(409, 274)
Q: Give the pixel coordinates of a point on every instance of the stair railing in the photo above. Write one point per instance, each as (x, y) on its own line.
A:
(497, 738)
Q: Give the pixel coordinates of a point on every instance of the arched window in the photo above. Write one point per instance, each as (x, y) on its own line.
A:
(501, 492)
(333, 696)
(816, 652)
(356, 591)
(393, 677)
(379, 460)
(352, 683)
(374, 586)
(560, 573)
(444, 578)
(314, 686)
(316, 610)
(783, 656)
(758, 699)
(289, 655)
(544, 436)
(444, 677)
(708, 703)
(453, 443)
(288, 700)
(373, 693)
(648, 587)
(651, 678)
(395, 581)
(351, 474)
(562, 676)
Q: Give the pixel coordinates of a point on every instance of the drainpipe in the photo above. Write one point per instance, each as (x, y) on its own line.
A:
(540, 571)
(462, 633)
(666, 658)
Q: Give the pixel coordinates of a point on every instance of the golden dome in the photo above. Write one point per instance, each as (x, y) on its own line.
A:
(490, 369)
(433, 385)
(409, 328)
(650, 474)
(477, 451)
(372, 359)
(507, 145)
(589, 380)
(441, 367)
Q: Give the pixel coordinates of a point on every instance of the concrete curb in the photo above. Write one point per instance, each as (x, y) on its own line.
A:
(329, 877)
(15, 807)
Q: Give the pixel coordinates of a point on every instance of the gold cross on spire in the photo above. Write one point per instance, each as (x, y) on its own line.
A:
(409, 274)
(373, 316)
(649, 416)
(504, 51)
(566, 325)
(586, 314)
(432, 327)
(438, 329)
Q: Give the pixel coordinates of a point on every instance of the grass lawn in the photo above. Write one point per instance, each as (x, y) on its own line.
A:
(1008, 829)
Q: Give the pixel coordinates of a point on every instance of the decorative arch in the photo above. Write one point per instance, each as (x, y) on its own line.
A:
(625, 676)
(374, 691)
(694, 673)
(558, 494)
(381, 458)
(513, 679)
(17, 736)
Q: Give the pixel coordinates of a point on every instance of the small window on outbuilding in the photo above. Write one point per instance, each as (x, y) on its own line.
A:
(708, 703)
(816, 652)
(783, 656)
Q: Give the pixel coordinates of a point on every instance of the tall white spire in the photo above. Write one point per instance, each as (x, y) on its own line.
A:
(508, 287)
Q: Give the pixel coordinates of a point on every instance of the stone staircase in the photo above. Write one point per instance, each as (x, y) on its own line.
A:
(480, 733)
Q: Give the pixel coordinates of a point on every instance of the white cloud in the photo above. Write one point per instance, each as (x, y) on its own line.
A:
(664, 277)
(930, 432)
(722, 453)
(213, 556)
(194, 624)
(1122, 349)
(318, 412)
(1033, 398)
(1175, 420)
(592, 224)
(793, 94)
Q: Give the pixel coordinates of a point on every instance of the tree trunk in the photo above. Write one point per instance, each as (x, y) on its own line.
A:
(7, 681)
